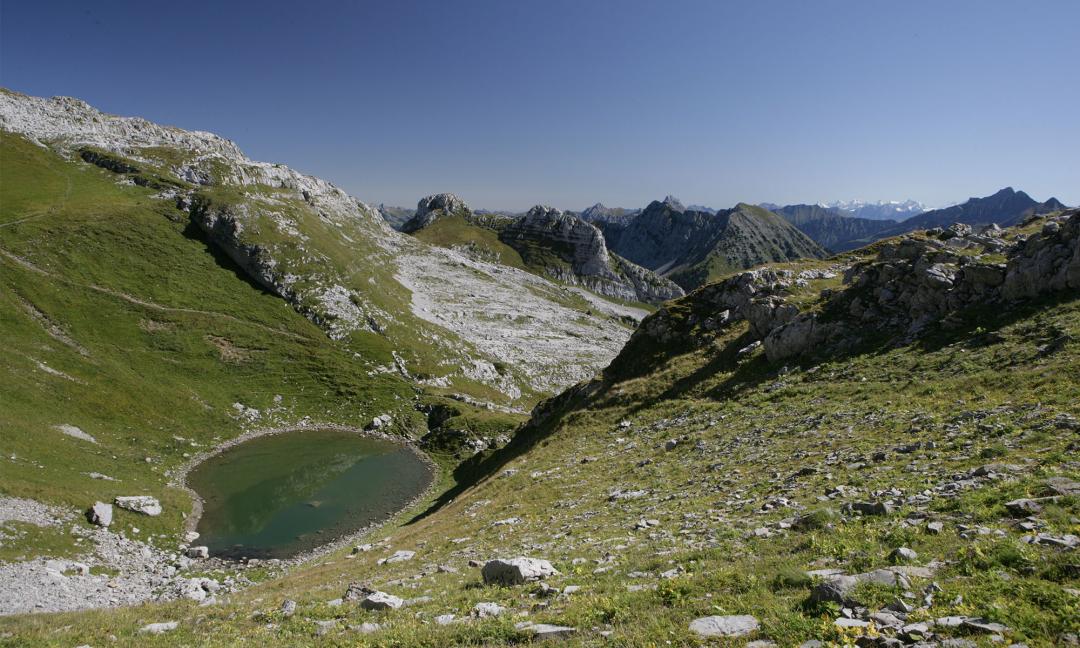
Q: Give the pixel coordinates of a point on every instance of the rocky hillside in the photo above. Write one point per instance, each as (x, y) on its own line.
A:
(394, 301)
(693, 247)
(832, 229)
(547, 241)
(896, 293)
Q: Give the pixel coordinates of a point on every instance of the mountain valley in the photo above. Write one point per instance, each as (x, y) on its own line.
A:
(791, 426)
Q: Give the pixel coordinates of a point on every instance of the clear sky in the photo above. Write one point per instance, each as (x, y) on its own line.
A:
(511, 102)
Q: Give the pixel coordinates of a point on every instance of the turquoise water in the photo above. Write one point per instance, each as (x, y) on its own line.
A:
(279, 495)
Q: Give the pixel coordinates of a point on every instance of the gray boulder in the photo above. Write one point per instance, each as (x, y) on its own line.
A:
(376, 600)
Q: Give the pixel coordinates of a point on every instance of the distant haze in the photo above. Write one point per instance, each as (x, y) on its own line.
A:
(569, 103)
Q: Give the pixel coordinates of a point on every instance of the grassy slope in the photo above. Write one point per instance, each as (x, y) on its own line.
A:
(980, 398)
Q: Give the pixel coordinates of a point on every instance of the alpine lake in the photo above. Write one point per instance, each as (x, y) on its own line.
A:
(280, 495)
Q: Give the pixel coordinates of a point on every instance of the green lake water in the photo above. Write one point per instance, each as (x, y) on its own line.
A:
(279, 495)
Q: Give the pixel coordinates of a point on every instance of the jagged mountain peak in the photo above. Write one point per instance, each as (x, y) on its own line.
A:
(674, 203)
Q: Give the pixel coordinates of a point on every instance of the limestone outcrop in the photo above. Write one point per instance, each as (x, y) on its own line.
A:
(431, 207)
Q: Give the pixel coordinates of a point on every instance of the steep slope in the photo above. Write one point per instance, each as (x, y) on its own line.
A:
(692, 247)
(1004, 208)
(832, 229)
(547, 241)
(385, 296)
(892, 491)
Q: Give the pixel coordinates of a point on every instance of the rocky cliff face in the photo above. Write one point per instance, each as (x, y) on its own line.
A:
(909, 286)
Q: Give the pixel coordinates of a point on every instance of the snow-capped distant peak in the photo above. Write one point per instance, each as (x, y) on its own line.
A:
(879, 210)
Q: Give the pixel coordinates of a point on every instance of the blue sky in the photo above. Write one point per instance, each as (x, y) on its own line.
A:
(512, 103)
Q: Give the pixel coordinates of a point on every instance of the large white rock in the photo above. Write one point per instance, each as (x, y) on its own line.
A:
(516, 571)
(100, 514)
(381, 601)
(724, 626)
(545, 631)
(140, 504)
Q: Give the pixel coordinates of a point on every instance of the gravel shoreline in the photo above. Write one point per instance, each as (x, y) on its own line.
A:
(148, 573)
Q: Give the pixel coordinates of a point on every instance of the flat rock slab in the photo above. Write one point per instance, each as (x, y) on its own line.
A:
(724, 626)
(159, 628)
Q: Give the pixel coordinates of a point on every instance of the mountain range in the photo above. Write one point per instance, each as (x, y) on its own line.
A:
(693, 247)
